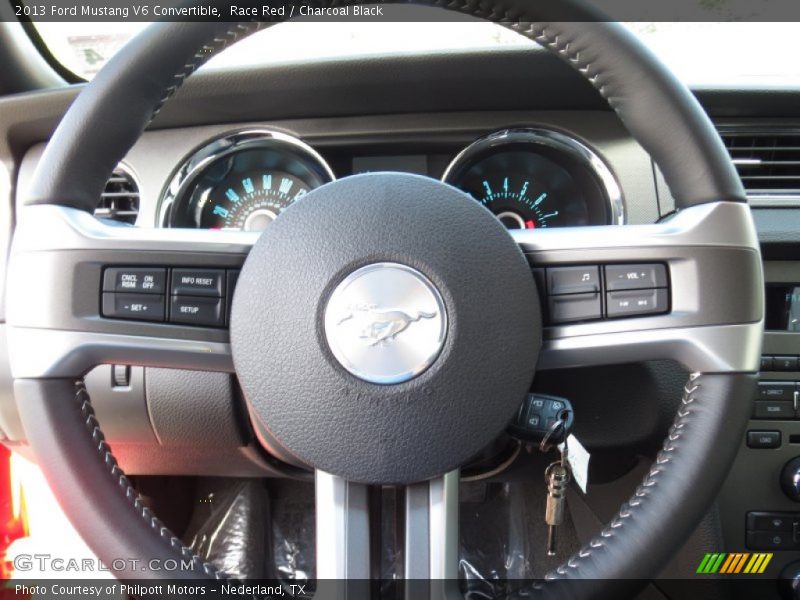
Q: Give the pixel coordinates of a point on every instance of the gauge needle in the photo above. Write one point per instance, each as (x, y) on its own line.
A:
(530, 224)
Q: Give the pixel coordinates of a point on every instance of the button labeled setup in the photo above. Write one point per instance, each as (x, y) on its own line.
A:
(636, 302)
(574, 307)
(198, 282)
(573, 280)
(139, 307)
(197, 311)
(635, 277)
(134, 280)
(763, 439)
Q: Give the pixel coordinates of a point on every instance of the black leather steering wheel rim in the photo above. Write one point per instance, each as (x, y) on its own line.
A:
(94, 136)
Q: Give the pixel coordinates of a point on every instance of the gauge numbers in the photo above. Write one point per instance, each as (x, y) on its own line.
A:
(518, 202)
(252, 202)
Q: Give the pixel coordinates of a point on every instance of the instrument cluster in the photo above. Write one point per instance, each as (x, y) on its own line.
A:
(528, 178)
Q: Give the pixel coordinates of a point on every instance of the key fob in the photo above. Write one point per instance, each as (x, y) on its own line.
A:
(538, 415)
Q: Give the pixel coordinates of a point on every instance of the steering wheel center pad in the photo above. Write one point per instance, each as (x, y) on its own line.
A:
(308, 403)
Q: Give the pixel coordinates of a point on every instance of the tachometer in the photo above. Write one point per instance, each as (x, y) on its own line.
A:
(534, 179)
(518, 203)
(242, 181)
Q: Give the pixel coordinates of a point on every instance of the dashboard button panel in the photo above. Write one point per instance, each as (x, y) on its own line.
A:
(592, 292)
(186, 296)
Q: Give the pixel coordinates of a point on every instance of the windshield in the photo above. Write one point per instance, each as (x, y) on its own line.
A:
(701, 54)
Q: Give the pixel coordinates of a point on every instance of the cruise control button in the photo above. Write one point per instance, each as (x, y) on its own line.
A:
(763, 439)
(573, 280)
(139, 307)
(197, 311)
(636, 302)
(635, 277)
(134, 280)
(198, 282)
(776, 391)
(574, 307)
(773, 409)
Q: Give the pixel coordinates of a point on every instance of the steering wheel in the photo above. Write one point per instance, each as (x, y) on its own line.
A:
(412, 404)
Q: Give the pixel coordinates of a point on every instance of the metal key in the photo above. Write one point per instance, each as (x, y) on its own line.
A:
(557, 476)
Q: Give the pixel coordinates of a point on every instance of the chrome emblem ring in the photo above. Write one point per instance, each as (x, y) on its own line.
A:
(385, 323)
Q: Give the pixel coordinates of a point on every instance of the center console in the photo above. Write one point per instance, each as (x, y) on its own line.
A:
(760, 502)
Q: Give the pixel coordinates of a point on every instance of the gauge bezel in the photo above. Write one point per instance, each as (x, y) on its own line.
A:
(188, 172)
(554, 140)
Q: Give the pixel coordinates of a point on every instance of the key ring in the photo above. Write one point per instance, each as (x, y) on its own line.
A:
(544, 446)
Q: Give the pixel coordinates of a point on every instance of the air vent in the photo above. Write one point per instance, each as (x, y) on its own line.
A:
(767, 161)
(120, 198)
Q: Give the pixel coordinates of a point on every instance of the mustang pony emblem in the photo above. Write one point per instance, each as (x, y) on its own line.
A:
(379, 326)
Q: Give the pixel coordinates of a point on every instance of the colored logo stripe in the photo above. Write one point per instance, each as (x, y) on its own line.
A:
(734, 563)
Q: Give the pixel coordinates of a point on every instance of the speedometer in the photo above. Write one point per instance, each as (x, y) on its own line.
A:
(251, 200)
(242, 181)
(533, 179)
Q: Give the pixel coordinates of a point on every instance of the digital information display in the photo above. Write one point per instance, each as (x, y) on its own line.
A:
(783, 307)
(410, 163)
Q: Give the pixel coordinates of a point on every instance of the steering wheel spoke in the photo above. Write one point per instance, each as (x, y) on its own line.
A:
(56, 289)
(430, 546)
(708, 317)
